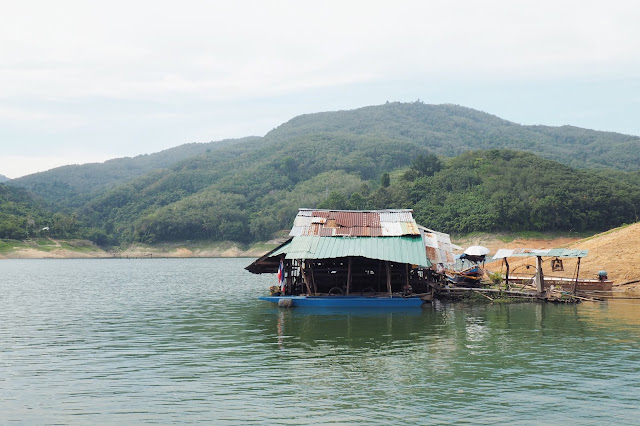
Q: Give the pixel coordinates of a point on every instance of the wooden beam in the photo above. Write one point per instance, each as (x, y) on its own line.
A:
(304, 276)
(406, 270)
(507, 278)
(386, 262)
(313, 278)
(575, 284)
(349, 276)
(287, 267)
(539, 278)
(483, 295)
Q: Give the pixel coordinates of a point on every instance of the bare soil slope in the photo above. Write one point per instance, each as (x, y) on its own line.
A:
(614, 251)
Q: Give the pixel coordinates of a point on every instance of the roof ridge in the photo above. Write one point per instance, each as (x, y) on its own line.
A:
(357, 211)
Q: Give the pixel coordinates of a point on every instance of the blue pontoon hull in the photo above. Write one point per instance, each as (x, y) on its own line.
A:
(348, 301)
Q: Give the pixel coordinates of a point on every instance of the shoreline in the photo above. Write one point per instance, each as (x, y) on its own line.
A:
(613, 250)
(82, 249)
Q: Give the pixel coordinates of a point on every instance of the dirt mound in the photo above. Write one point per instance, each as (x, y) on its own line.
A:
(616, 252)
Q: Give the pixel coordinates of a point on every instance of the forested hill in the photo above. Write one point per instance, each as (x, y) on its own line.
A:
(73, 185)
(370, 158)
(3, 178)
(446, 130)
(449, 130)
(495, 190)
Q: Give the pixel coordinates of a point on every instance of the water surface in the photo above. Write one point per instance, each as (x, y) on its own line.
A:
(187, 341)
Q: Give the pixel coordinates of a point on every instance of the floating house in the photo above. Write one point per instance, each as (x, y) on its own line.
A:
(372, 258)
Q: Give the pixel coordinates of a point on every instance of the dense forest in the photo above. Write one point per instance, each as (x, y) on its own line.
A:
(22, 217)
(72, 186)
(461, 170)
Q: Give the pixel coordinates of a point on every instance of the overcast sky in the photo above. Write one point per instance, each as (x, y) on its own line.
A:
(86, 81)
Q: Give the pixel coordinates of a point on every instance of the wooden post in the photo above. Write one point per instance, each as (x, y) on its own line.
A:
(406, 269)
(506, 262)
(348, 275)
(287, 267)
(539, 278)
(313, 279)
(575, 283)
(304, 276)
(388, 278)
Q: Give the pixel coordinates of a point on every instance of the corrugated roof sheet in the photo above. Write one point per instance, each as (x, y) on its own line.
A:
(364, 223)
(439, 247)
(403, 249)
(523, 252)
(396, 216)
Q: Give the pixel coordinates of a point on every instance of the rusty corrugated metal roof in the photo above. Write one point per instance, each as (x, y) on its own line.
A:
(439, 247)
(352, 223)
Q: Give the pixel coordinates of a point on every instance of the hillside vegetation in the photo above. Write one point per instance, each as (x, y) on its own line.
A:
(73, 185)
(19, 214)
(443, 161)
(449, 130)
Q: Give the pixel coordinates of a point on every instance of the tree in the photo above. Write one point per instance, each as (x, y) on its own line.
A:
(262, 226)
(426, 165)
(385, 180)
(335, 201)
(357, 201)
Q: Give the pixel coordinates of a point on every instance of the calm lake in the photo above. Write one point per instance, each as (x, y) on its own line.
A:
(186, 341)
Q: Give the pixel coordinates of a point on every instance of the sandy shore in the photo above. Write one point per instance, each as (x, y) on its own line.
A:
(91, 251)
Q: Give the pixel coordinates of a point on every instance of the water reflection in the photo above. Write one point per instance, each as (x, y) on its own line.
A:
(188, 341)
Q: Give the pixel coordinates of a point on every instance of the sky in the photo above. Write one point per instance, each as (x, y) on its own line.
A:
(86, 81)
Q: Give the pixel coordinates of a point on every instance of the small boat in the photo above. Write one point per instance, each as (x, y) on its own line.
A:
(470, 277)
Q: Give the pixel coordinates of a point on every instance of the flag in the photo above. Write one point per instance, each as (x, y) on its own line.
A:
(281, 276)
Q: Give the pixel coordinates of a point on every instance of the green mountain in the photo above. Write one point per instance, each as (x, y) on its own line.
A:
(72, 186)
(449, 130)
(394, 155)
(3, 178)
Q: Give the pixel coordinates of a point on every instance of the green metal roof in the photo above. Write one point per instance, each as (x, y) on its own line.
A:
(404, 249)
(502, 253)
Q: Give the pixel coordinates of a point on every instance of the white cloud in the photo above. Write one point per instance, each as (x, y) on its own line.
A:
(21, 165)
(103, 70)
(14, 115)
(131, 49)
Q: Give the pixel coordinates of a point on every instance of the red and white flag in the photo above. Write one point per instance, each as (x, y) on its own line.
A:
(281, 276)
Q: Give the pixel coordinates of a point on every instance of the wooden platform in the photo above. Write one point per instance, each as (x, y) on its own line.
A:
(567, 283)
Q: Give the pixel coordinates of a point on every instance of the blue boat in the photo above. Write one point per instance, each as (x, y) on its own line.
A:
(352, 259)
(345, 301)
